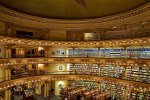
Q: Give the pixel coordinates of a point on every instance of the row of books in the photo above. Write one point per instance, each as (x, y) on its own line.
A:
(140, 74)
(84, 68)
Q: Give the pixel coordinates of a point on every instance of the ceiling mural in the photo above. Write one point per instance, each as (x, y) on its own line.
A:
(72, 9)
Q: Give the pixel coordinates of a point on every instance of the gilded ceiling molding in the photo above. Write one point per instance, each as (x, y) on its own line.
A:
(139, 14)
(144, 41)
(76, 60)
(7, 84)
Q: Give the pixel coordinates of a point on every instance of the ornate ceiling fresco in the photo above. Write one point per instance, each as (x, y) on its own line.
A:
(72, 9)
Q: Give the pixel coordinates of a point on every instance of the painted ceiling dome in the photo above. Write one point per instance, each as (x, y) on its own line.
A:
(72, 9)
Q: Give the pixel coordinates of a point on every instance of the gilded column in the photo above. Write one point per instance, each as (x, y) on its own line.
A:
(46, 89)
(73, 68)
(38, 88)
(8, 51)
(99, 52)
(125, 73)
(126, 94)
(104, 52)
(73, 51)
(98, 69)
(29, 85)
(7, 74)
(125, 52)
(46, 52)
(99, 85)
(8, 94)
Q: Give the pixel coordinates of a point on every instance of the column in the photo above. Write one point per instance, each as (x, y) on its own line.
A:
(29, 85)
(73, 69)
(46, 89)
(125, 52)
(104, 52)
(46, 52)
(98, 69)
(125, 73)
(99, 85)
(7, 74)
(73, 51)
(38, 88)
(73, 83)
(130, 92)
(126, 94)
(8, 52)
(99, 52)
(8, 94)
(111, 90)
(139, 53)
(2, 73)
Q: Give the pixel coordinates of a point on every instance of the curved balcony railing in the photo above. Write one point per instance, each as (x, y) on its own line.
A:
(84, 55)
(36, 73)
(73, 77)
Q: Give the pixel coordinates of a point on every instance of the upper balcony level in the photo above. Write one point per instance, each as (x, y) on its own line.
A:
(123, 48)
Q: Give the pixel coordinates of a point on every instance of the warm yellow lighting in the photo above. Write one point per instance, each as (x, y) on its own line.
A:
(40, 66)
(40, 48)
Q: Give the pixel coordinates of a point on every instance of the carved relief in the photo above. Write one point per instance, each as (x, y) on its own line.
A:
(27, 20)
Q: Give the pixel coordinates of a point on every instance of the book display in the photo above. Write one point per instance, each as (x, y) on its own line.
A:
(83, 94)
(140, 95)
(112, 71)
(91, 69)
(71, 93)
(70, 52)
(138, 52)
(83, 52)
(79, 68)
(115, 91)
(108, 91)
(140, 74)
(145, 53)
(85, 84)
(112, 53)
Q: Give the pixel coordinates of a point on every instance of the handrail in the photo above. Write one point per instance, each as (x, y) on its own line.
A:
(10, 83)
(73, 56)
(62, 73)
(104, 43)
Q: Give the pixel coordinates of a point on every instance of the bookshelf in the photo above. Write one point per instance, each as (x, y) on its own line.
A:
(140, 74)
(91, 69)
(112, 71)
(85, 84)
